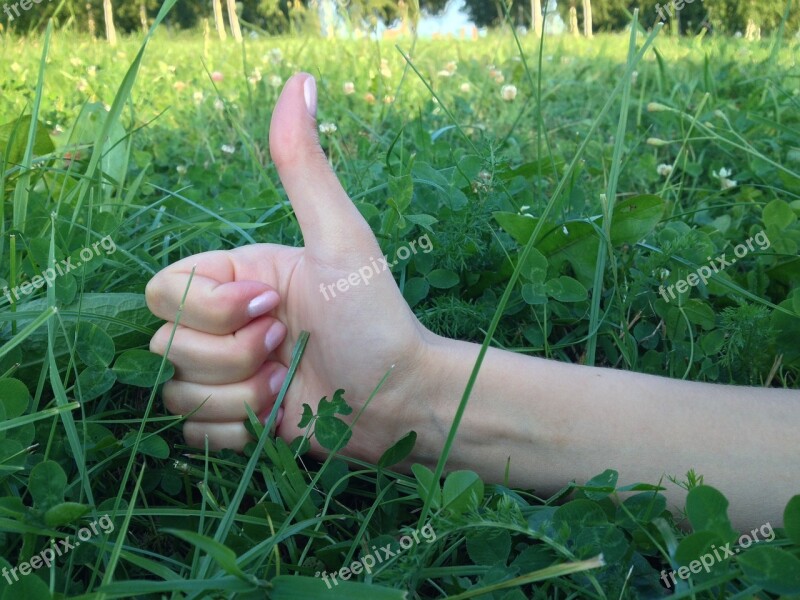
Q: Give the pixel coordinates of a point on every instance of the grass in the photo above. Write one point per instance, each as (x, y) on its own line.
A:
(163, 151)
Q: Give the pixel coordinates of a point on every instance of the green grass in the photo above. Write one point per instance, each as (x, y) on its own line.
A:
(528, 254)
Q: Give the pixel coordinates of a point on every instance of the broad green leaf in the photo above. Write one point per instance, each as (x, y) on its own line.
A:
(635, 217)
(46, 484)
(579, 514)
(442, 278)
(95, 381)
(415, 290)
(643, 508)
(778, 214)
(489, 546)
(600, 486)
(699, 549)
(332, 433)
(224, 556)
(426, 486)
(65, 513)
(424, 221)
(707, 510)
(535, 267)
(773, 569)
(607, 540)
(534, 293)
(699, 313)
(791, 519)
(150, 445)
(140, 368)
(14, 397)
(95, 347)
(399, 450)
(462, 492)
(566, 289)
(14, 140)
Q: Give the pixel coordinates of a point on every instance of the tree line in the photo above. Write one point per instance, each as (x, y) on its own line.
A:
(292, 16)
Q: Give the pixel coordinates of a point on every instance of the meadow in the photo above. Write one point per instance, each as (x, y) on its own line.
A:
(115, 162)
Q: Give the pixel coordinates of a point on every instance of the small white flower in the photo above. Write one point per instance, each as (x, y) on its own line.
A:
(444, 73)
(219, 104)
(181, 169)
(348, 88)
(664, 170)
(227, 149)
(725, 183)
(723, 172)
(327, 128)
(508, 92)
(275, 55)
(275, 81)
(451, 67)
(197, 97)
(465, 87)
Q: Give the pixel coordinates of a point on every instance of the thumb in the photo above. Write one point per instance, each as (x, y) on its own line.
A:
(332, 226)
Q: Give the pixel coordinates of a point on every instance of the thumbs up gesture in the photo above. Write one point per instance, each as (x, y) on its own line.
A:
(246, 307)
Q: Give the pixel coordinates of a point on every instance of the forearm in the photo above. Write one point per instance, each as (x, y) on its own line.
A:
(558, 421)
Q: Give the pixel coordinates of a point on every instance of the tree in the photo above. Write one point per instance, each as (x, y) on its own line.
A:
(587, 19)
(536, 16)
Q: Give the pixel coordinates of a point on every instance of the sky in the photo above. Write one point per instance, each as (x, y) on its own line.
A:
(450, 21)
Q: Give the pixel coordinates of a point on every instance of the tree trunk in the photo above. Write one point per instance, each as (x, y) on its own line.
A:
(587, 19)
(219, 22)
(536, 17)
(234, 19)
(573, 21)
(143, 16)
(108, 14)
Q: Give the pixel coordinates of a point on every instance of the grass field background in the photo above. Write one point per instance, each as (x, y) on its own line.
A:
(132, 161)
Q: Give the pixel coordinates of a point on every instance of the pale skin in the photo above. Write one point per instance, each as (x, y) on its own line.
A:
(246, 307)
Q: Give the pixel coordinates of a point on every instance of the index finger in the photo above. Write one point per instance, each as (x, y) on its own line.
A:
(215, 303)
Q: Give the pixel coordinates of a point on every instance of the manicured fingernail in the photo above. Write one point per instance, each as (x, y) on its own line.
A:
(310, 93)
(261, 305)
(275, 335)
(276, 381)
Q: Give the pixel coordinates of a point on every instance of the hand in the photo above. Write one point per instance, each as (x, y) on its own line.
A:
(246, 308)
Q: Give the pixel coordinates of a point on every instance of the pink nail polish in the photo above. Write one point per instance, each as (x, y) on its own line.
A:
(262, 304)
(310, 94)
(274, 336)
(276, 381)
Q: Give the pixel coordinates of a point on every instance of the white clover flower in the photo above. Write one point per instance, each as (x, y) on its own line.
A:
(228, 149)
(348, 87)
(219, 104)
(181, 169)
(465, 87)
(327, 128)
(444, 73)
(197, 97)
(725, 183)
(664, 170)
(508, 92)
(275, 81)
(275, 55)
